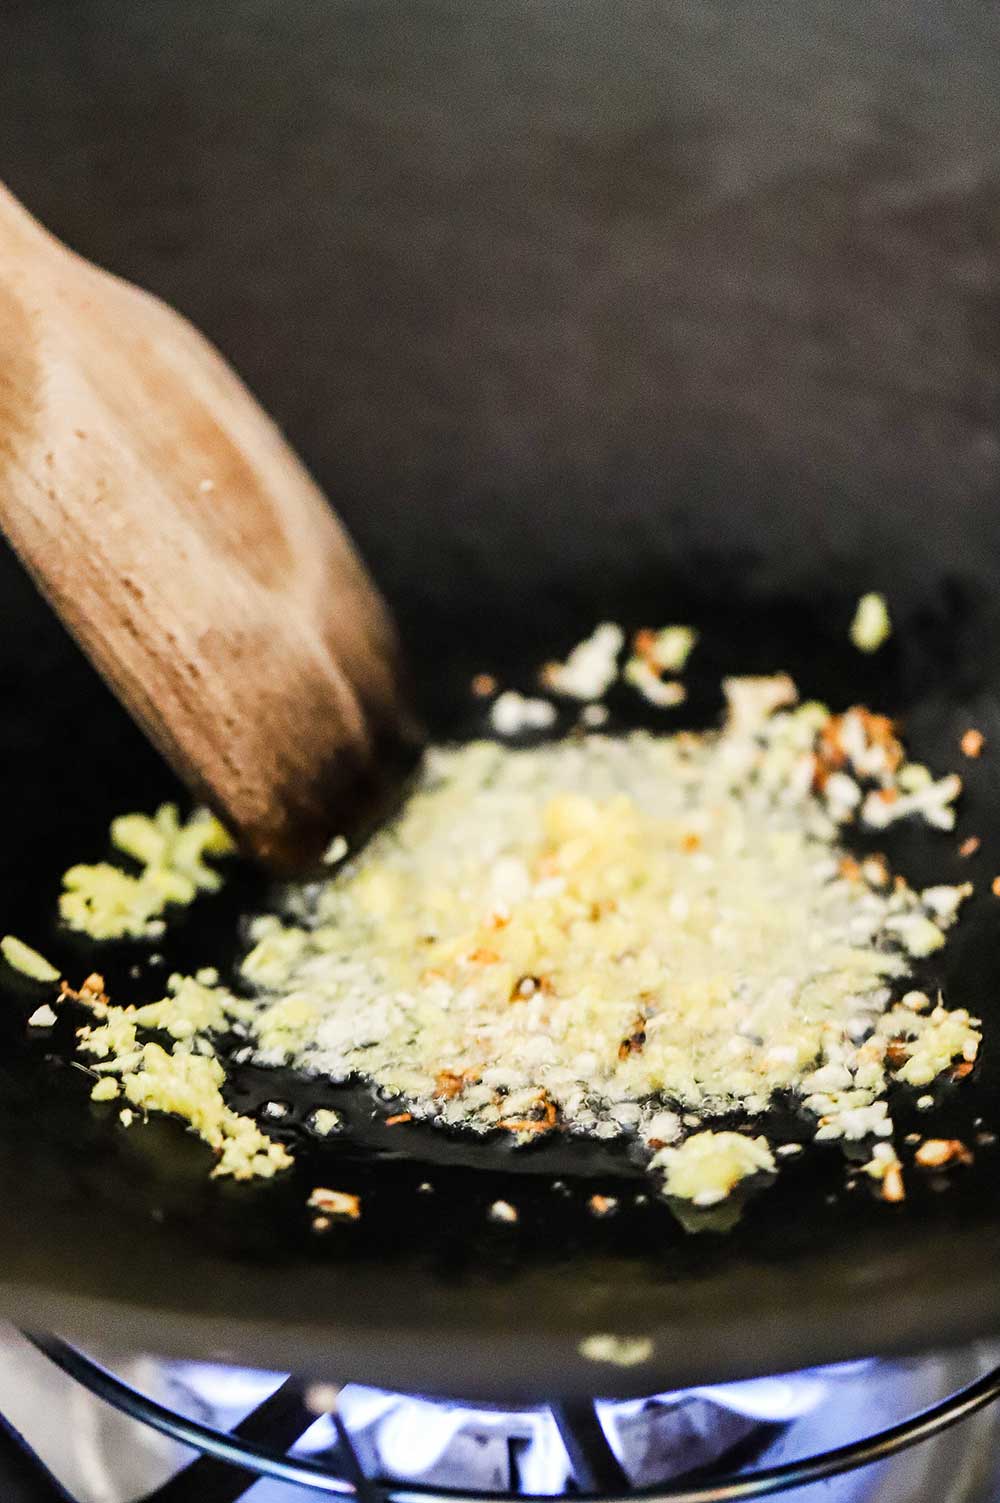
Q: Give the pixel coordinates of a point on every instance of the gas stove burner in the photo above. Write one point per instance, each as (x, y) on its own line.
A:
(701, 1445)
(545, 1448)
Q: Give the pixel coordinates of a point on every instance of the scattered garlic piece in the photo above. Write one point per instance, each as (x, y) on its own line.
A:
(871, 626)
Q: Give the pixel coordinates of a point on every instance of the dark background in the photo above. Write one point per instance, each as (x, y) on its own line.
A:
(704, 272)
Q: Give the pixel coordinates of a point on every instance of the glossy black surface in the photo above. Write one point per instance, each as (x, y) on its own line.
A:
(812, 1270)
(663, 313)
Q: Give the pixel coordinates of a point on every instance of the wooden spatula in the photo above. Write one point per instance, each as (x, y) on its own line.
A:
(186, 548)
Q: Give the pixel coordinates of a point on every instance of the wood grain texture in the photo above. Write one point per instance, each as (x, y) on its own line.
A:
(193, 558)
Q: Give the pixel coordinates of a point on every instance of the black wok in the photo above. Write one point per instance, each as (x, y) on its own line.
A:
(654, 313)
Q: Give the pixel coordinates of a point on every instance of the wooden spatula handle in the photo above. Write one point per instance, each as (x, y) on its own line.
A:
(187, 549)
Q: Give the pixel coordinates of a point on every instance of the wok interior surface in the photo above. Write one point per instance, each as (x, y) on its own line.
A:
(673, 313)
(126, 1229)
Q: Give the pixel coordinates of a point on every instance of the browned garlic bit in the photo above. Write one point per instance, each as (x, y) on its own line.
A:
(337, 1204)
(884, 1167)
(655, 654)
(934, 1153)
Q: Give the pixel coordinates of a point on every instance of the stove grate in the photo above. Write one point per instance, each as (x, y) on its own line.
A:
(277, 1423)
(230, 1463)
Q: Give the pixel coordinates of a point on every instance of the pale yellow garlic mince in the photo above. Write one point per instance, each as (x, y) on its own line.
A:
(605, 933)
(871, 626)
(184, 1078)
(620, 937)
(26, 960)
(108, 903)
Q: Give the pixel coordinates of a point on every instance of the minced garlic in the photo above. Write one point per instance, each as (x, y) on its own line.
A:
(108, 903)
(667, 693)
(591, 667)
(335, 851)
(335, 1203)
(620, 1351)
(668, 649)
(708, 1165)
(621, 937)
(513, 713)
(185, 1079)
(593, 933)
(885, 1168)
(655, 653)
(26, 960)
(871, 626)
